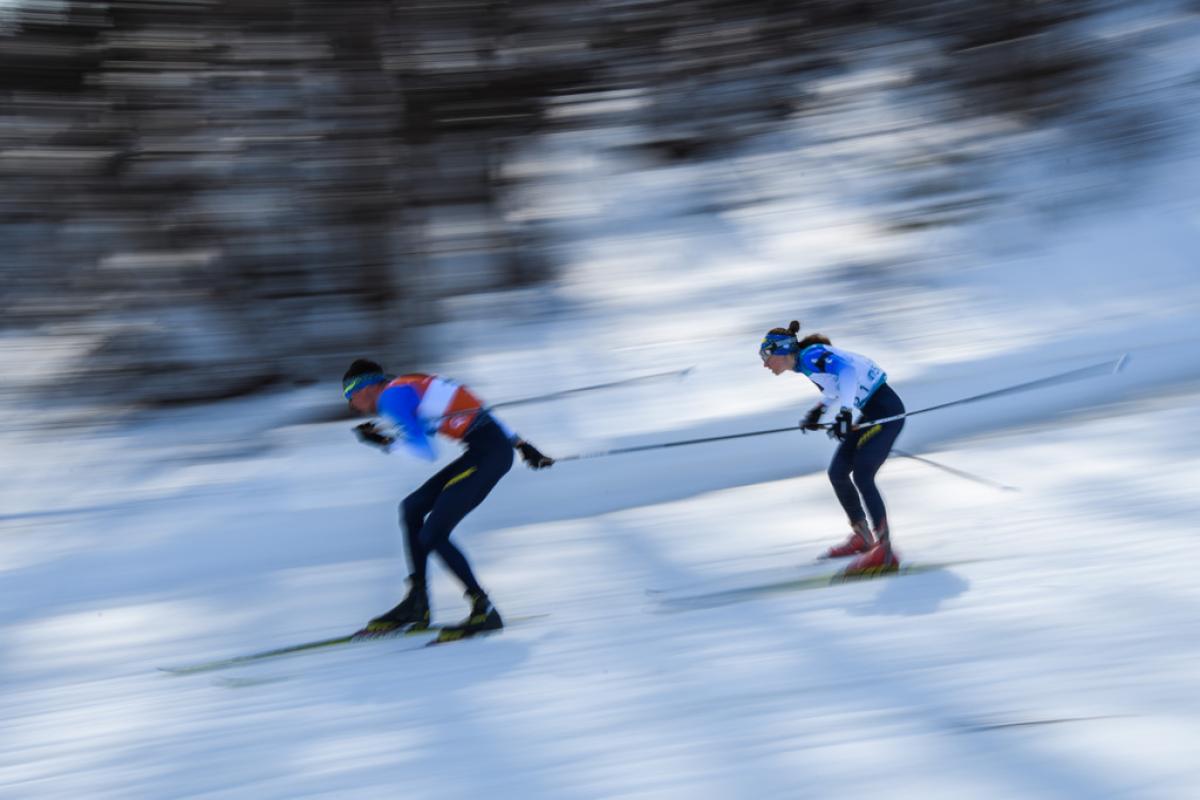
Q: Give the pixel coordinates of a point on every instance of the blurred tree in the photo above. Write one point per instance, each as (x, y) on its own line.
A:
(228, 193)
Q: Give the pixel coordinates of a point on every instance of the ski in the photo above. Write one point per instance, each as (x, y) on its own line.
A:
(356, 638)
(691, 602)
(304, 647)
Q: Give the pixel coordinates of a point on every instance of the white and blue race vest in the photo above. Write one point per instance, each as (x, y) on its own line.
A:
(846, 380)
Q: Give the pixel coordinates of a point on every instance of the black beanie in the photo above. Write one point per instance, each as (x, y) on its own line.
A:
(362, 366)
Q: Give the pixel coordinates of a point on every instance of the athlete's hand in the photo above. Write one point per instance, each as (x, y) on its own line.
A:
(535, 458)
(842, 425)
(368, 434)
(812, 420)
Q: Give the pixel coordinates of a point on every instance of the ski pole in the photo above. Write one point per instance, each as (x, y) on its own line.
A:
(1110, 367)
(954, 471)
(663, 445)
(544, 398)
(1071, 375)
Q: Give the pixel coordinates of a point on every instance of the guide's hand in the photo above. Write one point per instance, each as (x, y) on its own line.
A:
(535, 458)
(368, 434)
(812, 420)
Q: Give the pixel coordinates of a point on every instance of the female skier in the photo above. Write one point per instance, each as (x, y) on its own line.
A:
(413, 408)
(853, 388)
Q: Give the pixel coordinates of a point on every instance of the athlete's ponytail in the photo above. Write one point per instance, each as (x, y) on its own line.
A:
(782, 341)
(794, 328)
(790, 330)
(814, 338)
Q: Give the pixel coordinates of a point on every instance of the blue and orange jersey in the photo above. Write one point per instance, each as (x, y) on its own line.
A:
(421, 405)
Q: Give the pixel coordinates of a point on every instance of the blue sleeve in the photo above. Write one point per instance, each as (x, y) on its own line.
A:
(814, 359)
(399, 405)
(821, 359)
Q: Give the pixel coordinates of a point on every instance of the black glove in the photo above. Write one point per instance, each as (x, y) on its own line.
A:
(812, 420)
(367, 433)
(842, 424)
(535, 458)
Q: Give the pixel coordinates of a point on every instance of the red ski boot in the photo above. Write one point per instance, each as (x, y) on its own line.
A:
(859, 542)
(876, 561)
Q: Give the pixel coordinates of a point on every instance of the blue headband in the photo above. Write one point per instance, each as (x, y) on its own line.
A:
(778, 344)
(352, 385)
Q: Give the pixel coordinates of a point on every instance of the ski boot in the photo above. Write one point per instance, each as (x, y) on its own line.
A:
(483, 618)
(876, 561)
(860, 541)
(409, 616)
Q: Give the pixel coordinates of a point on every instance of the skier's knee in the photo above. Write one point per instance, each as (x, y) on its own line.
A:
(863, 479)
(411, 513)
(437, 527)
(838, 476)
(433, 535)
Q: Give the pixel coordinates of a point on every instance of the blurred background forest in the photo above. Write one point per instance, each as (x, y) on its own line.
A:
(216, 196)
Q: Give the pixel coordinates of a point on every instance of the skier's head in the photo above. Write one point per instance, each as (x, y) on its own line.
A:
(363, 374)
(779, 348)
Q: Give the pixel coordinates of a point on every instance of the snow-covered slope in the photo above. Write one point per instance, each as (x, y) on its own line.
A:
(1051, 659)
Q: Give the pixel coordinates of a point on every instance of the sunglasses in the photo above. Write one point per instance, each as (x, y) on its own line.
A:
(771, 347)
